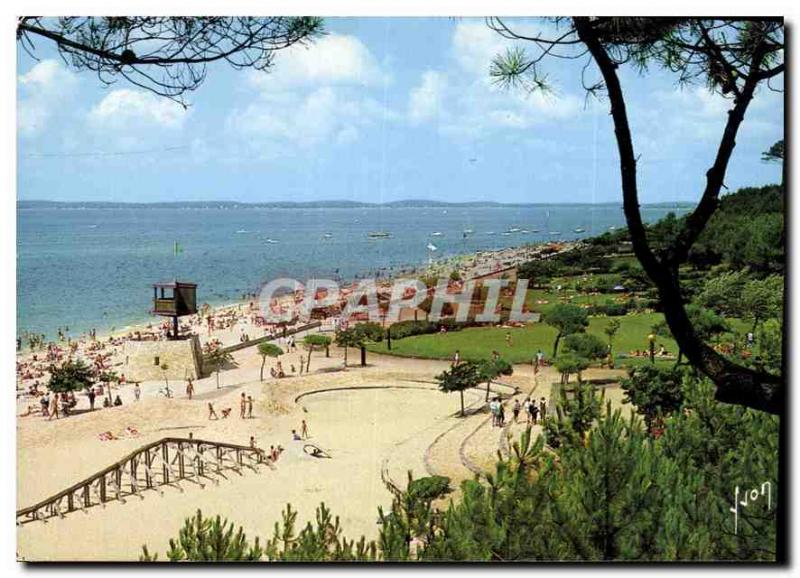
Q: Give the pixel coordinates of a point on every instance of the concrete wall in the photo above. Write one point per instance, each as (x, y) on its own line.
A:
(182, 357)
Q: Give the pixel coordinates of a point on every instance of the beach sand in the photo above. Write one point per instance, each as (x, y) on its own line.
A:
(363, 429)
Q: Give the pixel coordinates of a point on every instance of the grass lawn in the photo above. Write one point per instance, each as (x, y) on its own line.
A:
(479, 342)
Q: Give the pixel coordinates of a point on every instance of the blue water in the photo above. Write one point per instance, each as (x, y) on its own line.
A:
(93, 268)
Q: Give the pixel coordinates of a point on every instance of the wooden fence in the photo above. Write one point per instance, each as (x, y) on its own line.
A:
(165, 462)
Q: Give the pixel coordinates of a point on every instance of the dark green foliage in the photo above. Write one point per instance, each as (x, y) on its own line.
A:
(585, 345)
(746, 231)
(209, 540)
(569, 363)
(491, 369)
(656, 392)
(428, 488)
(318, 542)
(460, 377)
(577, 408)
(567, 319)
(73, 375)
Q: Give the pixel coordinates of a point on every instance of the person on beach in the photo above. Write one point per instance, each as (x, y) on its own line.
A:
(456, 358)
(501, 414)
(189, 388)
(137, 391)
(253, 442)
(250, 407)
(526, 409)
(516, 410)
(304, 430)
(91, 397)
(211, 413)
(53, 408)
(45, 403)
(539, 358)
(543, 407)
(533, 410)
(242, 405)
(295, 436)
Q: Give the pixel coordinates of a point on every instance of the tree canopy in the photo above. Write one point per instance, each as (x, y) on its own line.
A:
(165, 55)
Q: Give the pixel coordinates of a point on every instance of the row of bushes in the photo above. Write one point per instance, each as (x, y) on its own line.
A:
(409, 328)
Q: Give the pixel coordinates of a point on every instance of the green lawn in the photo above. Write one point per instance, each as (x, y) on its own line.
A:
(479, 342)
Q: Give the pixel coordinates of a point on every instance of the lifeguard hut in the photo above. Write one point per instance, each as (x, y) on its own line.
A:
(174, 299)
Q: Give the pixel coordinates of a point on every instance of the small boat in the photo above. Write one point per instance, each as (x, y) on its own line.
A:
(431, 247)
(468, 231)
(535, 230)
(271, 241)
(379, 235)
(612, 228)
(505, 233)
(580, 230)
(490, 232)
(555, 232)
(327, 235)
(242, 231)
(92, 226)
(514, 230)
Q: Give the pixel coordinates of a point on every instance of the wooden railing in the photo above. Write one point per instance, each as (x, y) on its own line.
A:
(271, 337)
(165, 462)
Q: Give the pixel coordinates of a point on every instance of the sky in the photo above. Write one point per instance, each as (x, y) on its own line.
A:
(377, 110)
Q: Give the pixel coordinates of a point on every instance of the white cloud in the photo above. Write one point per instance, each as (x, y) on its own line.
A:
(320, 115)
(314, 94)
(471, 105)
(425, 100)
(130, 109)
(42, 90)
(331, 60)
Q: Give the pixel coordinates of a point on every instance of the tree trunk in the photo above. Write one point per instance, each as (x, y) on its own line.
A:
(462, 402)
(735, 384)
(218, 379)
(263, 362)
(363, 356)
(345, 356)
(488, 383)
(555, 345)
(308, 361)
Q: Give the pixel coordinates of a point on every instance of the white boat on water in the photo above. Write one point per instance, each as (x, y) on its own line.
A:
(436, 234)
(468, 231)
(379, 235)
(580, 230)
(327, 235)
(431, 247)
(271, 241)
(514, 230)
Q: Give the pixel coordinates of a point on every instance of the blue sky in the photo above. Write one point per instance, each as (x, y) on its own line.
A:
(378, 109)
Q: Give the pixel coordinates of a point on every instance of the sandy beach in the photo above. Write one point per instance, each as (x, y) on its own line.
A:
(387, 417)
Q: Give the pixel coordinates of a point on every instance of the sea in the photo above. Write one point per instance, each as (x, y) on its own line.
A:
(92, 268)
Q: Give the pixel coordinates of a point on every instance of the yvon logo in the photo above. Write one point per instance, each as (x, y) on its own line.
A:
(750, 497)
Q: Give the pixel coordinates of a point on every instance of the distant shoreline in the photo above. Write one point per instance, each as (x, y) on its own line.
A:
(335, 204)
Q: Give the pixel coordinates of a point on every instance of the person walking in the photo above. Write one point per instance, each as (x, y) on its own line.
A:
(91, 396)
(250, 407)
(211, 413)
(543, 408)
(189, 388)
(516, 410)
(137, 391)
(456, 358)
(242, 405)
(304, 430)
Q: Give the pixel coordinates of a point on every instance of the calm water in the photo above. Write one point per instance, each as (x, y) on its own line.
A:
(87, 268)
